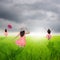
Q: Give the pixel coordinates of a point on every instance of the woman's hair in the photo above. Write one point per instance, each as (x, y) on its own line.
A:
(48, 31)
(5, 30)
(22, 33)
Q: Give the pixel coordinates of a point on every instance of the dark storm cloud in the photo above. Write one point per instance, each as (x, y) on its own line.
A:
(39, 6)
(36, 13)
(56, 1)
(7, 13)
(23, 7)
(6, 1)
(43, 6)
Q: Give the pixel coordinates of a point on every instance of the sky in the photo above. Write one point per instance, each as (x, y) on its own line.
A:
(36, 15)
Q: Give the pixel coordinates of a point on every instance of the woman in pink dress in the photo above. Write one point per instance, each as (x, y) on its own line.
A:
(6, 33)
(22, 40)
(48, 36)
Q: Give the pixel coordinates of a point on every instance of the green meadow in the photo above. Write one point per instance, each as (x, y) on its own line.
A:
(37, 48)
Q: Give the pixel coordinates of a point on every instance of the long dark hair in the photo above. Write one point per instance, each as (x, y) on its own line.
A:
(48, 31)
(5, 30)
(22, 33)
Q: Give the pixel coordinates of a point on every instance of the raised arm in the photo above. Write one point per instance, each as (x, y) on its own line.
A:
(17, 35)
(27, 32)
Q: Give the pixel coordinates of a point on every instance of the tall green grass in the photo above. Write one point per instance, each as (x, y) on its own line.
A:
(36, 48)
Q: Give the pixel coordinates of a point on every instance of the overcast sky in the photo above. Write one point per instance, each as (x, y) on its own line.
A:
(37, 15)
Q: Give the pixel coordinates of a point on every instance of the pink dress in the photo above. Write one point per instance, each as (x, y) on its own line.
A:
(21, 41)
(48, 36)
(6, 33)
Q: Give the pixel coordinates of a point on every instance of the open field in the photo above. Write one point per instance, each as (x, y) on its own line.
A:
(37, 48)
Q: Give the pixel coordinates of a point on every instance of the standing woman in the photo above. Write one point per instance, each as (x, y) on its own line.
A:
(6, 33)
(49, 34)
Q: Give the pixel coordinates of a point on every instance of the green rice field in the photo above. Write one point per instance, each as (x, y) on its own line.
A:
(37, 48)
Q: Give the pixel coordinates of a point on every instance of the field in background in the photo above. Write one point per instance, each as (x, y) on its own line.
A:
(37, 48)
